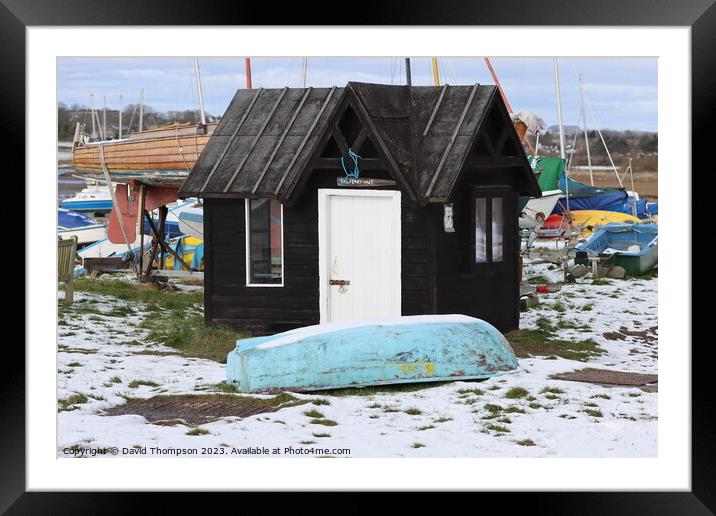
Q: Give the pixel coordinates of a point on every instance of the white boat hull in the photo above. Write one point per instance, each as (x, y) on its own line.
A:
(85, 235)
(529, 218)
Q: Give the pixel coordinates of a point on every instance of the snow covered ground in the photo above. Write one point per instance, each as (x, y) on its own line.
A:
(525, 414)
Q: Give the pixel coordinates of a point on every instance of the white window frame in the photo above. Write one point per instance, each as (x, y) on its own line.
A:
(247, 204)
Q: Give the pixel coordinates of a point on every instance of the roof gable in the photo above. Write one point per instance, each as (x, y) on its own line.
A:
(269, 140)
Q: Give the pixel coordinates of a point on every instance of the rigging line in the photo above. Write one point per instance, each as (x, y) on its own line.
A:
(452, 71)
(601, 136)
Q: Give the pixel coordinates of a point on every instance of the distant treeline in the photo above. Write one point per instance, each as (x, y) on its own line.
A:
(68, 116)
(642, 147)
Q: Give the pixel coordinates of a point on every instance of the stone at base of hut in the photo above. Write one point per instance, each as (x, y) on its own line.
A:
(528, 302)
(580, 271)
(617, 272)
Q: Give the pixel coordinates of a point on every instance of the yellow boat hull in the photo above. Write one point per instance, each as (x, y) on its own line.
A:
(591, 220)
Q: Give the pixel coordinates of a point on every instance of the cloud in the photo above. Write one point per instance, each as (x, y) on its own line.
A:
(623, 90)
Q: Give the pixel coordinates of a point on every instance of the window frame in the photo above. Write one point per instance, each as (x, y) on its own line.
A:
(488, 194)
(247, 217)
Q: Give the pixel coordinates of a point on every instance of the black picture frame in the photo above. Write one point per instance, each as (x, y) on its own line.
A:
(699, 15)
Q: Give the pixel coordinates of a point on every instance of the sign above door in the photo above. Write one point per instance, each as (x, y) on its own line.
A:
(363, 182)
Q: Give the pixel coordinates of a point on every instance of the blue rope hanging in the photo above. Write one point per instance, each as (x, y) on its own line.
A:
(356, 171)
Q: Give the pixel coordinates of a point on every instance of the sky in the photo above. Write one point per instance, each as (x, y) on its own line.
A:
(621, 92)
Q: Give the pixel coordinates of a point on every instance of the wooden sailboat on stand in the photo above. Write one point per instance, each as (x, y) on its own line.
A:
(148, 168)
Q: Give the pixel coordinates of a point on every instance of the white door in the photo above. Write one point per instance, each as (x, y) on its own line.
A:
(359, 253)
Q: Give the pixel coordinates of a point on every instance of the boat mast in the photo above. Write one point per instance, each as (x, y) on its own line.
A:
(120, 117)
(408, 78)
(584, 122)
(104, 116)
(94, 128)
(559, 110)
(304, 72)
(202, 116)
(247, 64)
(499, 86)
(141, 109)
(561, 130)
(436, 72)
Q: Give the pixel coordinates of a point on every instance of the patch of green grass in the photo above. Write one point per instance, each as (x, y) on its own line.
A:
(505, 420)
(516, 393)
(603, 396)
(413, 411)
(115, 379)
(374, 405)
(470, 401)
(468, 392)
(558, 307)
(188, 334)
(417, 445)
(147, 383)
(74, 364)
(551, 390)
(321, 434)
(198, 431)
(538, 280)
(551, 397)
(494, 388)
(500, 429)
(493, 408)
(372, 390)
(594, 412)
(71, 402)
(313, 413)
(120, 311)
(630, 394)
(525, 442)
(590, 404)
(140, 292)
(426, 427)
(324, 422)
(514, 409)
(587, 307)
(541, 342)
(442, 419)
(601, 281)
(320, 401)
(226, 387)
(390, 409)
(68, 334)
(308, 442)
(535, 405)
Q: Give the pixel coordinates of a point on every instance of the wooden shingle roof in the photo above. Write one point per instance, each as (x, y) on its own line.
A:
(267, 138)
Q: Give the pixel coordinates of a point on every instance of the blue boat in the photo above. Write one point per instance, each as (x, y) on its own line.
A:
(71, 224)
(632, 246)
(423, 348)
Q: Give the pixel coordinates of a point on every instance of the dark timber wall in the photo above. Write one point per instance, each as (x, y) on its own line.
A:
(262, 310)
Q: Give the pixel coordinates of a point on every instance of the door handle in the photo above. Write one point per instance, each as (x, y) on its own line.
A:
(339, 282)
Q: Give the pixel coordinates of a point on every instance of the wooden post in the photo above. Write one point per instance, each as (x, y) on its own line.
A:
(162, 217)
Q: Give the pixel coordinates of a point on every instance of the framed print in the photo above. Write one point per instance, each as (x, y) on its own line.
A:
(428, 240)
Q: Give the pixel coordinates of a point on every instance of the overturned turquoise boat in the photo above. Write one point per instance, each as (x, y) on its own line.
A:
(423, 348)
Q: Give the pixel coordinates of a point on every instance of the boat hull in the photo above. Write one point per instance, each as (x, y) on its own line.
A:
(612, 244)
(89, 205)
(539, 205)
(402, 350)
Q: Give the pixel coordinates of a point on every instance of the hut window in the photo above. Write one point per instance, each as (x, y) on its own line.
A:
(489, 229)
(264, 242)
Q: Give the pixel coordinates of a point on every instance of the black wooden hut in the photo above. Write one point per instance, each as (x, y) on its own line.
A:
(328, 204)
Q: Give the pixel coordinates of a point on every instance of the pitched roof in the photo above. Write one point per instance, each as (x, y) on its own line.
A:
(267, 138)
